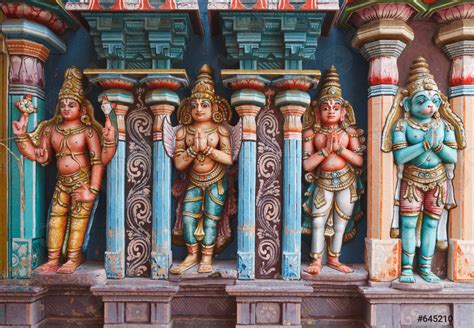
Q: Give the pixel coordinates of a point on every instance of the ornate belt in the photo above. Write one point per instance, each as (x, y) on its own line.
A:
(337, 180)
(70, 182)
(425, 179)
(205, 180)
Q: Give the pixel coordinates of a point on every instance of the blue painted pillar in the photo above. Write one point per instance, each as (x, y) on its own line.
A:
(293, 104)
(247, 103)
(162, 101)
(116, 171)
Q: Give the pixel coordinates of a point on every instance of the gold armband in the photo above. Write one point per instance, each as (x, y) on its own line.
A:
(94, 159)
(399, 145)
(306, 155)
(339, 150)
(191, 153)
(323, 153)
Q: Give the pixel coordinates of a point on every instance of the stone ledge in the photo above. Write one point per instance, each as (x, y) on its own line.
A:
(221, 270)
(330, 276)
(88, 274)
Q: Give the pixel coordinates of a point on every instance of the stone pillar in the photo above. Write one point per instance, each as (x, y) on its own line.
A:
(292, 104)
(247, 101)
(29, 44)
(162, 100)
(456, 39)
(382, 34)
(118, 91)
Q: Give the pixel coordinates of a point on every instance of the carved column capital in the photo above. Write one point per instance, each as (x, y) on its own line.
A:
(456, 38)
(162, 97)
(248, 98)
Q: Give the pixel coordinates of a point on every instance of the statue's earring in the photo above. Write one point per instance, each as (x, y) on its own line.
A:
(217, 117)
(436, 115)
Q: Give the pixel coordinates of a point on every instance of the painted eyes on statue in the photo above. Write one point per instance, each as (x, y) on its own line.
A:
(204, 104)
(327, 108)
(422, 99)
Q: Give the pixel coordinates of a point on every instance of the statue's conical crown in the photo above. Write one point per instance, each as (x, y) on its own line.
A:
(204, 85)
(420, 78)
(72, 86)
(331, 88)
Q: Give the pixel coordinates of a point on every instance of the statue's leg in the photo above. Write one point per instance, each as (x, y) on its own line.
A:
(56, 228)
(192, 213)
(409, 211)
(322, 206)
(433, 208)
(80, 214)
(343, 209)
(214, 200)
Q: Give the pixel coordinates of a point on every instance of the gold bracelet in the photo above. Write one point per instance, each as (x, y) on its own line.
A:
(208, 151)
(109, 144)
(439, 148)
(426, 145)
(22, 138)
(191, 152)
(93, 190)
(323, 153)
(339, 150)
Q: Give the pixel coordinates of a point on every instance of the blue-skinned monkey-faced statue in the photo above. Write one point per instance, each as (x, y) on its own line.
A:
(424, 135)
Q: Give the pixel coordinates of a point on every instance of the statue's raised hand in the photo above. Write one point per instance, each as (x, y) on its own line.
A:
(195, 145)
(19, 127)
(108, 132)
(42, 153)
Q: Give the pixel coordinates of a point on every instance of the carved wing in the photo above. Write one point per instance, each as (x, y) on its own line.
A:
(236, 138)
(169, 136)
(396, 112)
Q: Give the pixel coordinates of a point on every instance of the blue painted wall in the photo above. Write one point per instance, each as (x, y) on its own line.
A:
(333, 50)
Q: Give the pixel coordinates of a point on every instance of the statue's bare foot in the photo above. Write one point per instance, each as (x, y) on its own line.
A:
(205, 268)
(51, 265)
(71, 265)
(314, 267)
(333, 262)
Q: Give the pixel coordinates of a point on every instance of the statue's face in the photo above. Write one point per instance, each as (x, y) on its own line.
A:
(70, 109)
(423, 104)
(201, 110)
(331, 112)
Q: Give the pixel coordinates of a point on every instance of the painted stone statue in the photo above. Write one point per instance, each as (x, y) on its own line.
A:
(332, 156)
(424, 135)
(81, 147)
(204, 146)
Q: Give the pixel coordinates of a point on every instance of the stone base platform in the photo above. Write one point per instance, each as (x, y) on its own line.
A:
(332, 299)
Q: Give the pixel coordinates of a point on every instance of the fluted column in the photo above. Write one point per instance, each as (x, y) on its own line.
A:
(117, 89)
(382, 35)
(247, 100)
(292, 104)
(162, 100)
(456, 39)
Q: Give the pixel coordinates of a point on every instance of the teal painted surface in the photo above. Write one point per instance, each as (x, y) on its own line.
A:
(273, 40)
(115, 224)
(27, 225)
(144, 40)
(246, 210)
(162, 212)
(292, 202)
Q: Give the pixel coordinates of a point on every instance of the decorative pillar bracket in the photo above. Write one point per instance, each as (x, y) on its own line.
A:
(117, 88)
(114, 28)
(163, 100)
(248, 98)
(250, 32)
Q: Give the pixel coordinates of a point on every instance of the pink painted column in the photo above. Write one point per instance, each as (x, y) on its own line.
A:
(382, 35)
(456, 39)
